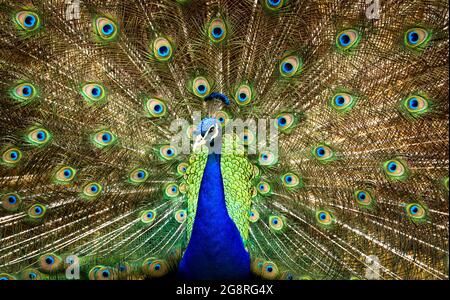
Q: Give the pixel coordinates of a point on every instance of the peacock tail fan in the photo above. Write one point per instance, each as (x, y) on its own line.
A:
(353, 185)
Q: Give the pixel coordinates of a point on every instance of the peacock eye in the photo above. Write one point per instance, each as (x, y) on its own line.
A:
(148, 216)
(155, 108)
(24, 92)
(138, 176)
(415, 106)
(171, 190)
(324, 218)
(267, 158)
(290, 180)
(49, 262)
(31, 274)
(273, 5)
(103, 138)
(217, 30)
(417, 38)
(10, 202)
(180, 215)
(167, 152)
(5, 276)
(269, 270)
(347, 39)
(244, 94)
(343, 102)
(91, 190)
(11, 156)
(64, 175)
(162, 49)
(155, 267)
(395, 170)
(105, 29)
(416, 212)
(201, 87)
(364, 198)
(290, 66)
(253, 215)
(323, 153)
(222, 117)
(285, 122)
(93, 92)
(37, 211)
(182, 168)
(27, 21)
(276, 223)
(38, 136)
(264, 188)
(103, 273)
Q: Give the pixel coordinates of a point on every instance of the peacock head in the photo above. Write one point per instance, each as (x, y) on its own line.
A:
(207, 133)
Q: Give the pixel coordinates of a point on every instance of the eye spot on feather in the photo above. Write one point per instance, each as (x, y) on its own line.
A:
(396, 170)
(343, 102)
(64, 175)
(11, 202)
(38, 136)
(167, 152)
(415, 106)
(103, 138)
(416, 212)
(180, 216)
(290, 66)
(364, 198)
(91, 190)
(244, 94)
(324, 218)
(5, 276)
(162, 49)
(347, 39)
(171, 190)
(201, 87)
(23, 92)
(93, 93)
(269, 270)
(138, 175)
(50, 263)
(264, 188)
(27, 21)
(276, 223)
(253, 215)
(290, 180)
(148, 216)
(105, 29)
(37, 211)
(323, 153)
(155, 268)
(11, 156)
(417, 38)
(31, 274)
(217, 30)
(273, 5)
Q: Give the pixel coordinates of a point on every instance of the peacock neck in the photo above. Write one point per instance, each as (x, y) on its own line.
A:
(215, 250)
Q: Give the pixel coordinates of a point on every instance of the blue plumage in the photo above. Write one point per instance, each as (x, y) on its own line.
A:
(216, 250)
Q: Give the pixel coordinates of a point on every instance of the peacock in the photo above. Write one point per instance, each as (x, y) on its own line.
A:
(224, 139)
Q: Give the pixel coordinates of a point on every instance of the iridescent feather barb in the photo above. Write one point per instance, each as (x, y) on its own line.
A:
(88, 173)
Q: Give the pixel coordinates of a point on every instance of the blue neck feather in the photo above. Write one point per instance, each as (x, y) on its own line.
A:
(215, 250)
